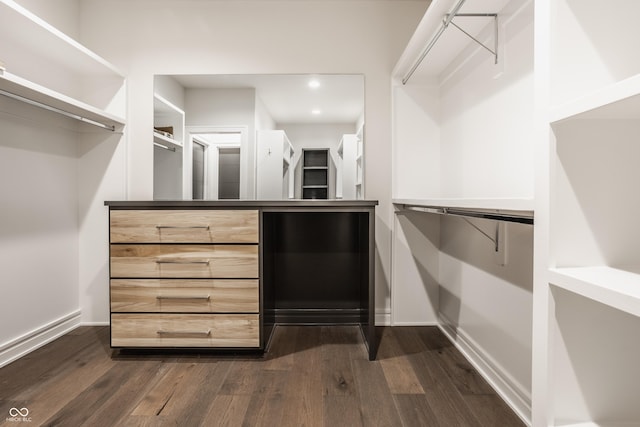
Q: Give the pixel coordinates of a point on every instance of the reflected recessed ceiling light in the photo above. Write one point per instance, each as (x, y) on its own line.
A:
(316, 112)
(314, 84)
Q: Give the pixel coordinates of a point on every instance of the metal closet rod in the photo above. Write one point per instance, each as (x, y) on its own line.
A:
(445, 24)
(57, 110)
(497, 216)
(433, 41)
(157, 144)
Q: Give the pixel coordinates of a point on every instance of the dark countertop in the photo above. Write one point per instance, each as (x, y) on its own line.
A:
(279, 204)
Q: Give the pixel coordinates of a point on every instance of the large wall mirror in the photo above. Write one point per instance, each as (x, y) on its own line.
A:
(266, 137)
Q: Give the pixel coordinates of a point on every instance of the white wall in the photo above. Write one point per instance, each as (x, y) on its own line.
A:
(147, 37)
(486, 119)
(416, 130)
(264, 121)
(38, 220)
(62, 14)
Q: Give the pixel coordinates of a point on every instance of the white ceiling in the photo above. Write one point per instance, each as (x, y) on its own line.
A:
(288, 97)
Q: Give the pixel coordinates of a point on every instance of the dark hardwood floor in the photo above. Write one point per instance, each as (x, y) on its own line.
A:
(312, 376)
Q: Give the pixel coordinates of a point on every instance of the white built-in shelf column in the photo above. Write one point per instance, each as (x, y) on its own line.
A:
(593, 276)
(274, 169)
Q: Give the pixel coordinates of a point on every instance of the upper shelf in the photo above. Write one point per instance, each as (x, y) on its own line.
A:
(620, 100)
(21, 30)
(39, 94)
(611, 286)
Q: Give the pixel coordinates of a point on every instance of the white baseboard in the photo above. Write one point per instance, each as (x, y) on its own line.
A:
(429, 323)
(383, 318)
(514, 395)
(18, 347)
(105, 323)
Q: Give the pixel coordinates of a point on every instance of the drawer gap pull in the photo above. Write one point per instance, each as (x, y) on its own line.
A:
(204, 333)
(162, 261)
(201, 227)
(203, 297)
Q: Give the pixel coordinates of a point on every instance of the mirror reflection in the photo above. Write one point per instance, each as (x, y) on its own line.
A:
(266, 137)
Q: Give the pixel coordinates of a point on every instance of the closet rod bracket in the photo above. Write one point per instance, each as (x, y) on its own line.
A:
(499, 240)
(448, 20)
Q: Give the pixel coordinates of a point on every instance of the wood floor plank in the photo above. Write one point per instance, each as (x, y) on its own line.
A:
(159, 394)
(464, 376)
(265, 410)
(376, 402)
(397, 367)
(119, 405)
(342, 410)
(490, 410)
(95, 396)
(314, 376)
(338, 344)
(226, 411)
(45, 362)
(415, 411)
(303, 392)
(194, 394)
(76, 375)
(281, 351)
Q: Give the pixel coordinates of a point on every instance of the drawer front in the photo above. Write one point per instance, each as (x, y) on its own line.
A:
(184, 295)
(185, 330)
(184, 226)
(188, 261)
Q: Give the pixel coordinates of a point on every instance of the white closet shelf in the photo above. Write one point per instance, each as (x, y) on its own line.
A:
(42, 95)
(524, 205)
(22, 30)
(617, 101)
(165, 140)
(614, 287)
(509, 210)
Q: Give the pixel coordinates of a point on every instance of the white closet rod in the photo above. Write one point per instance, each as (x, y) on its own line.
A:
(497, 216)
(56, 110)
(445, 24)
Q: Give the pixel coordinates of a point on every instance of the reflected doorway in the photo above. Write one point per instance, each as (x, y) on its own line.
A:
(198, 167)
(215, 170)
(228, 172)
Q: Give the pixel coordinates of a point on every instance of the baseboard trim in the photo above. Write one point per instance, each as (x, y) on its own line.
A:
(430, 323)
(18, 347)
(383, 318)
(105, 323)
(517, 398)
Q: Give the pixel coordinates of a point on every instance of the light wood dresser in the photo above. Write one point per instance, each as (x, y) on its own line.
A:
(221, 275)
(185, 278)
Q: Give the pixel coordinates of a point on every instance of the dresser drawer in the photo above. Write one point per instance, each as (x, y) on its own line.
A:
(184, 295)
(184, 226)
(185, 330)
(187, 261)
